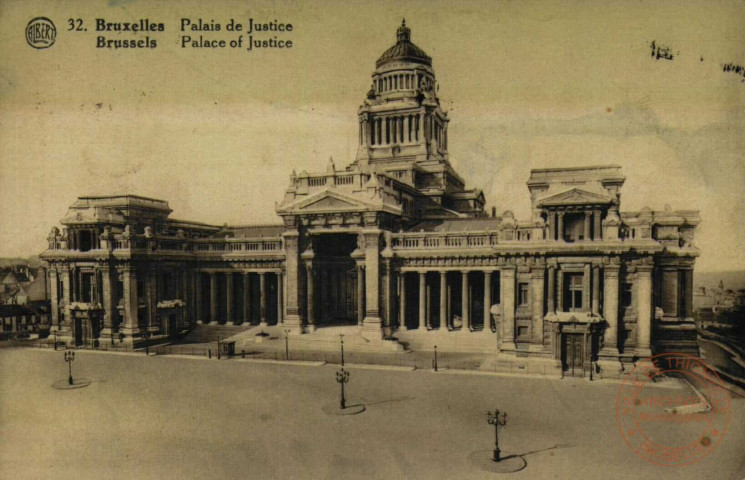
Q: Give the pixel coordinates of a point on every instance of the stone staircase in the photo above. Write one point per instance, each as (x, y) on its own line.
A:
(676, 338)
(448, 341)
(324, 339)
(210, 333)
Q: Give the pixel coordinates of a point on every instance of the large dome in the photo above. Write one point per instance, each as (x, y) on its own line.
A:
(404, 50)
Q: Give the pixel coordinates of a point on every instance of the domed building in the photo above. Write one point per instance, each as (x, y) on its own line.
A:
(395, 247)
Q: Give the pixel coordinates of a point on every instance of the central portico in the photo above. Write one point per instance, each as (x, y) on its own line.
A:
(338, 223)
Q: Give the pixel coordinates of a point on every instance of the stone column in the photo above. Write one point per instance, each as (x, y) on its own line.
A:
(402, 301)
(444, 320)
(262, 287)
(79, 284)
(66, 299)
(428, 304)
(610, 311)
(73, 275)
(422, 300)
(465, 302)
(560, 233)
(596, 230)
(487, 300)
(507, 277)
(151, 294)
(537, 275)
(247, 298)
(360, 294)
(587, 226)
(559, 290)
(108, 303)
(185, 318)
(551, 290)
(54, 298)
(644, 311)
(688, 293)
(586, 288)
(213, 298)
(372, 319)
(230, 320)
(280, 297)
(198, 310)
(596, 290)
(293, 318)
(131, 321)
(311, 292)
(552, 226)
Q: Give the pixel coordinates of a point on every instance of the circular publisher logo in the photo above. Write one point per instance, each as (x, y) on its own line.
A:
(41, 32)
(672, 427)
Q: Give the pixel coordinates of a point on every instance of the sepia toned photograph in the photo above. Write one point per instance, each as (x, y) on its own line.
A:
(389, 240)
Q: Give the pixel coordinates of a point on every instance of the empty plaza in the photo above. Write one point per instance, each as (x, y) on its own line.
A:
(179, 417)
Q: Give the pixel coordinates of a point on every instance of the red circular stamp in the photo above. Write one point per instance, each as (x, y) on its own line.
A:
(672, 426)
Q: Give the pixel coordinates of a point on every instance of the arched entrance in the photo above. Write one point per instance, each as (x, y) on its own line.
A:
(336, 279)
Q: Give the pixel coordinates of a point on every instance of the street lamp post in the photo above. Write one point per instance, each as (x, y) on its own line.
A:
(498, 419)
(69, 357)
(146, 335)
(341, 338)
(342, 376)
(435, 358)
(55, 339)
(287, 343)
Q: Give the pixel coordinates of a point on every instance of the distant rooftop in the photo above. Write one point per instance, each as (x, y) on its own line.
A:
(121, 201)
(478, 224)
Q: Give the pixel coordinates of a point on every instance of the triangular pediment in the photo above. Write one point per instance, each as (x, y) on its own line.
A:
(78, 218)
(328, 202)
(574, 196)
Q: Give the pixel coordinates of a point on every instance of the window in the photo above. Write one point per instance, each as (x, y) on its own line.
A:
(86, 288)
(574, 292)
(626, 295)
(522, 294)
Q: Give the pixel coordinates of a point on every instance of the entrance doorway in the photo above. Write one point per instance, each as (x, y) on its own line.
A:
(79, 339)
(572, 354)
(336, 279)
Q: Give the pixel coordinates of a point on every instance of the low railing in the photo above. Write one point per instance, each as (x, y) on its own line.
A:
(404, 241)
(160, 244)
(239, 245)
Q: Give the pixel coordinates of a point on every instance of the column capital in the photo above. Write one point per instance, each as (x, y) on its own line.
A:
(611, 271)
(508, 271)
(644, 270)
(537, 272)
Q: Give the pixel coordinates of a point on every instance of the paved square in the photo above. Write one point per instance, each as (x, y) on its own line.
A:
(173, 417)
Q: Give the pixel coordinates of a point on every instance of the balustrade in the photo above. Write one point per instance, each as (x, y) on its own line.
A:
(467, 240)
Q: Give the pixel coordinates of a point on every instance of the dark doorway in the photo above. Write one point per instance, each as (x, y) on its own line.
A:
(572, 354)
(79, 334)
(335, 279)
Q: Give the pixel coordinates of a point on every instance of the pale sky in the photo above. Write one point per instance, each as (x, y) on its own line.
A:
(217, 133)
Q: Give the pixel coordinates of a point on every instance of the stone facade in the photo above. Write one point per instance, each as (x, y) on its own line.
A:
(394, 243)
